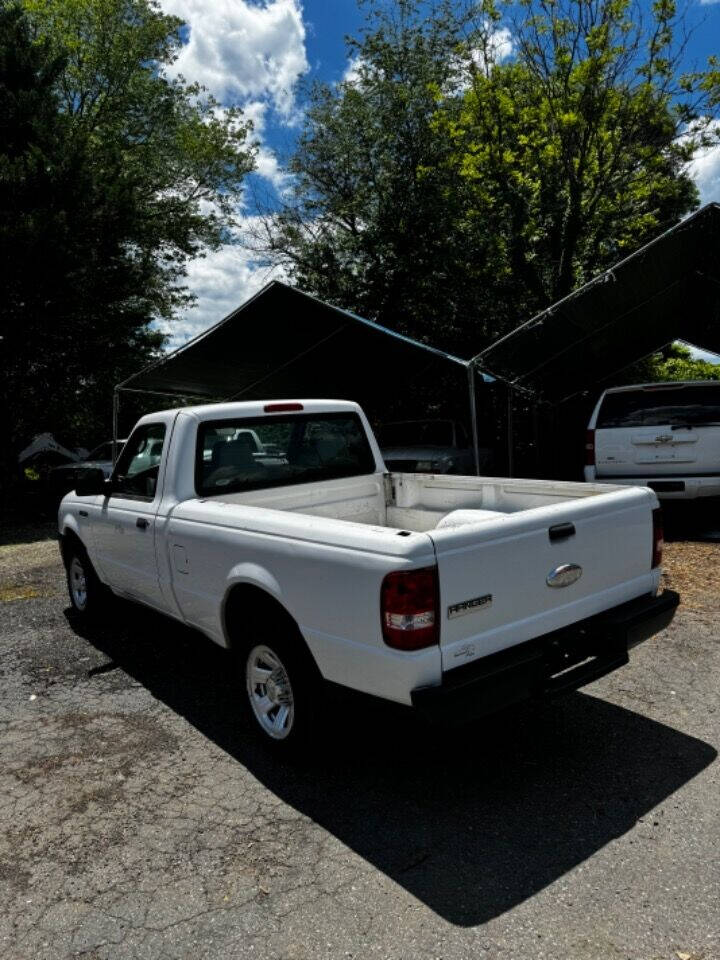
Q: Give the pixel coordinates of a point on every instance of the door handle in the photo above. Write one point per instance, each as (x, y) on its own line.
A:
(561, 531)
(142, 523)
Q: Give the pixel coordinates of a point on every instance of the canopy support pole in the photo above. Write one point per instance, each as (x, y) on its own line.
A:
(115, 421)
(473, 417)
(510, 431)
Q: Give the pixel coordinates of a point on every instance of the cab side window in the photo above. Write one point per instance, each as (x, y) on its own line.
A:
(136, 472)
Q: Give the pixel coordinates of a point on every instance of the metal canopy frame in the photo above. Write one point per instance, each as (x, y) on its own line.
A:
(145, 381)
(667, 290)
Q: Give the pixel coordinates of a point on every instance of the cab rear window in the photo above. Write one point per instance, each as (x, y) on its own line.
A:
(251, 454)
(663, 406)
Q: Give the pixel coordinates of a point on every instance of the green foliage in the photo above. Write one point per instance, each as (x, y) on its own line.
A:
(451, 193)
(572, 150)
(674, 362)
(168, 141)
(373, 221)
(111, 177)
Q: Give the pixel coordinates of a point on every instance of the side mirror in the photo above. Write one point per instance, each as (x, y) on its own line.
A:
(90, 483)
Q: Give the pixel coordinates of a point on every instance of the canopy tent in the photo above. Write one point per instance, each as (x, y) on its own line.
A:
(283, 343)
(667, 290)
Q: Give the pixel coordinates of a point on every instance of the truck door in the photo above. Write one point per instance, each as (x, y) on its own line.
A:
(125, 532)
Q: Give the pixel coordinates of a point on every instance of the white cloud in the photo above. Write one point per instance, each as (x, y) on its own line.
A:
(706, 3)
(256, 110)
(243, 51)
(268, 166)
(249, 53)
(499, 48)
(222, 280)
(705, 169)
(352, 71)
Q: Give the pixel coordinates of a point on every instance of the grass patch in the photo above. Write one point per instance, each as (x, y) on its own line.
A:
(10, 594)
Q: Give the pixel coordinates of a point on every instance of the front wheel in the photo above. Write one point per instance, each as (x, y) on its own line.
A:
(283, 693)
(87, 594)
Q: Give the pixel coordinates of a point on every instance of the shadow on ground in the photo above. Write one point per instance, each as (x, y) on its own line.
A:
(27, 531)
(697, 520)
(471, 821)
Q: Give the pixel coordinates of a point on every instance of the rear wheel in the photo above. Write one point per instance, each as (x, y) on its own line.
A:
(283, 691)
(87, 595)
(270, 691)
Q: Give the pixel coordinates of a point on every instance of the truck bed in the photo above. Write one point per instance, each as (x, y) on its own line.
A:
(416, 502)
(491, 539)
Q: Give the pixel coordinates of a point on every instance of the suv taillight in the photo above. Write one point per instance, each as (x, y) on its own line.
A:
(658, 537)
(589, 448)
(409, 608)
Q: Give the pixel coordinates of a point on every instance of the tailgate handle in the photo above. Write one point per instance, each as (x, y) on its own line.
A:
(561, 531)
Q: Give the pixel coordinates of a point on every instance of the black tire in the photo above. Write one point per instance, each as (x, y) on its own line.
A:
(293, 683)
(88, 596)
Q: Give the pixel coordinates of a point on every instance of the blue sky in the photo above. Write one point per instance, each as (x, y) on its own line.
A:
(261, 55)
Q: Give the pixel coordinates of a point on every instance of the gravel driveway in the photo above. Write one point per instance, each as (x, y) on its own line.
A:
(140, 820)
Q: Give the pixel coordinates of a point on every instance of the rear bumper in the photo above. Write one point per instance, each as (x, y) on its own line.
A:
(555, 663)
(675, 487)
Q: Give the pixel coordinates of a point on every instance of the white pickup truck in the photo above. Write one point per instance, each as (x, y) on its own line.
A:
(275, 529)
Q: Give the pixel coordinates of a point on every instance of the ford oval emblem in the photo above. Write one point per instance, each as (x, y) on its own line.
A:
(564, 575)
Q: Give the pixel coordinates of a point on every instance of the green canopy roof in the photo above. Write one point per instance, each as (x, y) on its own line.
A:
(285, 343)
(668, 290)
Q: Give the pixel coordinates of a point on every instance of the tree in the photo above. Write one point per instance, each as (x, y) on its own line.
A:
(43, 194)
(372, 221)
(452, 192)
(111, 177)
(673, 362)
(170, 143)
(576, 151)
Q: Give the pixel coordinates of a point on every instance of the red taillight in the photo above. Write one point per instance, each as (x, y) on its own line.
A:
(590, 448)
(658, 538)
(281, 407)
(409, 608)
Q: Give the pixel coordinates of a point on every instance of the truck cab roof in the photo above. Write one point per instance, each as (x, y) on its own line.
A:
(254, 408)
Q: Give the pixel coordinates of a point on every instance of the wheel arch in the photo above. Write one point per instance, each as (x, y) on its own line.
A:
(70, 537)
(246, 604)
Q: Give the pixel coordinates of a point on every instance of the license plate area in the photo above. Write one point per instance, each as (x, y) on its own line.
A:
(572, 661)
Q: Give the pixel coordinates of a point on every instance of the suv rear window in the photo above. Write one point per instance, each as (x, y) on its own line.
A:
(250, 454)
(660, 406)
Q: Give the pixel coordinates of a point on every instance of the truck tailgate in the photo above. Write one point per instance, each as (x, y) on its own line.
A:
(525, 574)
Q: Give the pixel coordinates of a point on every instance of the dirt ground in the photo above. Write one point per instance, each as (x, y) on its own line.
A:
(139, 818)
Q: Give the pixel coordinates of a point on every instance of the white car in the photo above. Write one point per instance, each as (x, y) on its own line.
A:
(665, 436)
(452, 594)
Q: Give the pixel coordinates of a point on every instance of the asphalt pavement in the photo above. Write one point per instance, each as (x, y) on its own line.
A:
(139, 818)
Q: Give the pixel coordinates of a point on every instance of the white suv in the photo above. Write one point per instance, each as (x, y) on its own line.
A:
(665, 436)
